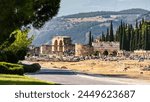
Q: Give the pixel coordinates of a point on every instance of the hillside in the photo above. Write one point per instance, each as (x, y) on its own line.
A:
(78, 25)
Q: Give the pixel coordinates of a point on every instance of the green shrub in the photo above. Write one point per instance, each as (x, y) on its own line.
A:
(31, 68)
(3, 68)
(9, 68)
(3, 56)
(11, 57)
(16, 70)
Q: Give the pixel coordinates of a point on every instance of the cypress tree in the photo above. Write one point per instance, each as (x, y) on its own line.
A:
(134, 38)
(128, 35)
(132, 41)
(90, 39)
(107, 35)
(103, 37)
(117, 35)
(124, 38)
(146, 38)
(140, 39)
(111, 33)
(136, 25)
(120, 36)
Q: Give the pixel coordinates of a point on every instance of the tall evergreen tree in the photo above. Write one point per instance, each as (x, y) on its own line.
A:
(90, 39)
(107, 35)
(134, 38)
(111, 32)
(103, 37)
(120, 36)
(117, 35)
(146, 38)
(124, 38)
(132, 41)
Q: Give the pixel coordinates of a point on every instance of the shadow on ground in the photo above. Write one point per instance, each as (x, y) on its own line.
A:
(54, 72)
(45, 71)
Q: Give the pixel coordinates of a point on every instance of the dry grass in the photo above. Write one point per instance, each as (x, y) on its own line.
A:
(127, 68)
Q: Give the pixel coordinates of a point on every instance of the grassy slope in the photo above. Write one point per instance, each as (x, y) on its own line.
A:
(20, 80)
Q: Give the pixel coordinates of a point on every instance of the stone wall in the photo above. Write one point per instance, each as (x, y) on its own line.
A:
(45, 49)
(106, 47)
(83, 50)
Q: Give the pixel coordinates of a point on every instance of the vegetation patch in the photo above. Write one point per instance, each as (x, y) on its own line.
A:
(9, 68)
(21, 80)
(31, 68)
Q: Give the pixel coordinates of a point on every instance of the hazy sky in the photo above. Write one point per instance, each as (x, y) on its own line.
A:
(78, 6)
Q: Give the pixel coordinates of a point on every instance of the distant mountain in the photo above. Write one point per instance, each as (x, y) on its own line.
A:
(134, 11)
(146, 16)
(78, 25)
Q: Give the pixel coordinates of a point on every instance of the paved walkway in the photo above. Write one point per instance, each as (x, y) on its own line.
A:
(68, 77)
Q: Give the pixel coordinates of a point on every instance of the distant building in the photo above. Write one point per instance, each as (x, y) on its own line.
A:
(142, 53)
(106, 48)
(45, 49)
(62, 45)
(34, 51)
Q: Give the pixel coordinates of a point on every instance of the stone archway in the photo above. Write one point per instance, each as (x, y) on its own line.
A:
(105, 53)
(61, 46)
(114, 53)
(56, 45)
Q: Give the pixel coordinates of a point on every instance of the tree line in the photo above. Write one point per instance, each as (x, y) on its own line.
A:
(109, 36)
(130, 38)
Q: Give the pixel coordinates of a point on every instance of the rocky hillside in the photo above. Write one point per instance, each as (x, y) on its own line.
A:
(78, 25)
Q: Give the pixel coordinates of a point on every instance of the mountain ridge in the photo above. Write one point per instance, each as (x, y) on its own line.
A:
(77, 25)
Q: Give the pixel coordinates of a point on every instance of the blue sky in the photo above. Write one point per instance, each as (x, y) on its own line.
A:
(78, 6)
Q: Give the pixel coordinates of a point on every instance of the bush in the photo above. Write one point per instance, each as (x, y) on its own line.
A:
(31, 68)
(3, 56)
(8, 68)
(63, 67)
(11, 57)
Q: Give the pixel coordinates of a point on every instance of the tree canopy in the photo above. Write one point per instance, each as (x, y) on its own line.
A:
(17, 13)
(137, 38)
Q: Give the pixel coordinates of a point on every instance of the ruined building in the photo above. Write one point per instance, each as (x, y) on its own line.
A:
(62, 45)
(106, 48)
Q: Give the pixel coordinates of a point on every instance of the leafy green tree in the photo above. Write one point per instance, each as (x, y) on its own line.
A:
(18, 49)
(18, 13)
